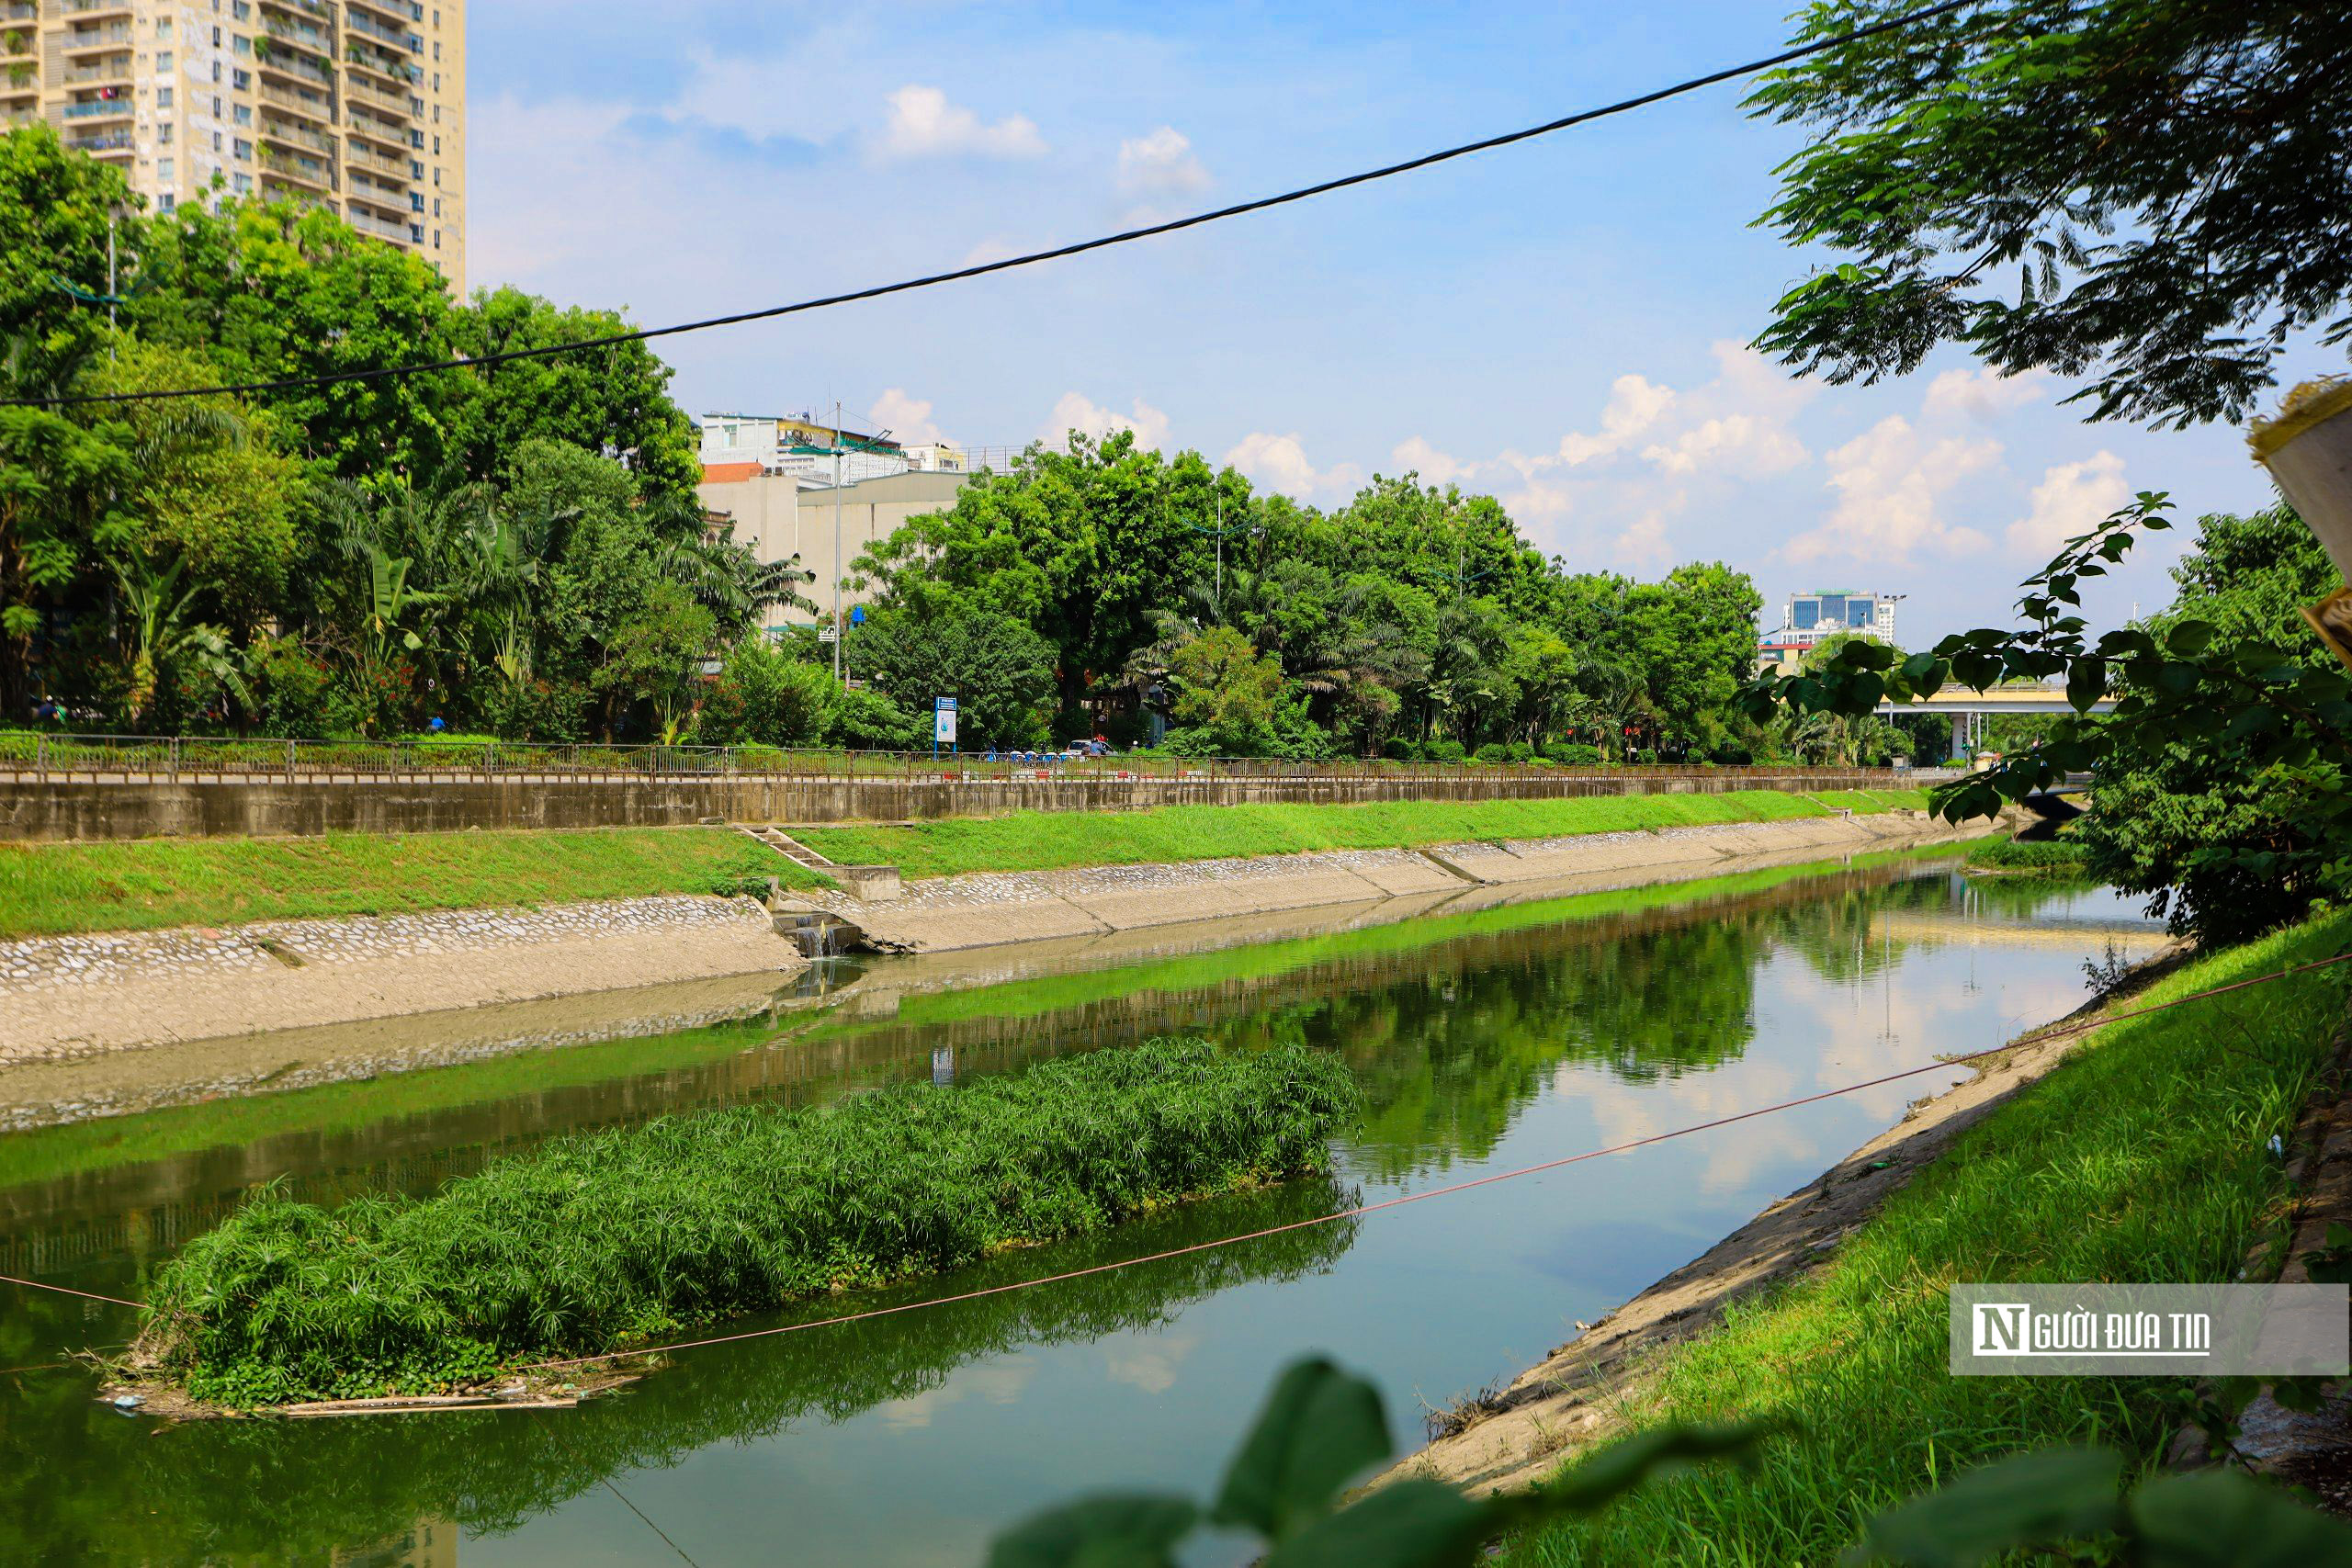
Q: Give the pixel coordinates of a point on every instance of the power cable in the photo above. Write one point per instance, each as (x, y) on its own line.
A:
(2061, 1031)
(1125, 236)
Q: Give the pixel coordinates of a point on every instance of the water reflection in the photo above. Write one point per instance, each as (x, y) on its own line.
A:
(1481, 1040)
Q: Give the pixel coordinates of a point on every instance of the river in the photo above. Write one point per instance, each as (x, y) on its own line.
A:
(1484, 1042)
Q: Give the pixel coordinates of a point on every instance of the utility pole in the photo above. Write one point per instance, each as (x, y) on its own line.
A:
(836, 544)
(1220, 555)
(111, 291)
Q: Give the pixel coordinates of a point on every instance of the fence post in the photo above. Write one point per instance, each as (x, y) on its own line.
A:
(289, 761)
(40, 753)
(174, 755)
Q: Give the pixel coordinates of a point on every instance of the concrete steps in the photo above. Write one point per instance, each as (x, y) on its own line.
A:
(783, 844)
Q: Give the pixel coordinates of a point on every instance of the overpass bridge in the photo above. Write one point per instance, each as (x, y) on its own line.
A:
(1969, 710)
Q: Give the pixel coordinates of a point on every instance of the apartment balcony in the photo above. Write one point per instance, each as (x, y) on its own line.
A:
(18, 37)
(12, 118)
(382, 100)
(303, 175)
(301, 35)
(375, 63)
(382, 166)
(321, 9)
(290, 135)
(367, 222)
(380, 197)
(390, 11)
(378, 133)
(20, 10)
(84, 111)
(79, 9)
(102, 143)
(360, 25)
(310, 105)
(288, 64)
(104, 72)
(106, 35)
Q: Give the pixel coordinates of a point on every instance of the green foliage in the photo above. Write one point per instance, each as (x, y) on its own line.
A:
(2137, 191)
(1319, 1429)
(1413, 615)
(2227, 800)
(765, 696)
(2203, 1519)
(597, 1242)
(2053, 857)
(1000, 671)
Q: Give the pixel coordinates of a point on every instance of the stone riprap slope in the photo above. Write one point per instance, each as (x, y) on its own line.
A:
(73, 996)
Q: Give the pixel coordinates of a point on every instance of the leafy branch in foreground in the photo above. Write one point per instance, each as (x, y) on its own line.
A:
(1319, 1429)
(2243, 715)
(1322, 1428)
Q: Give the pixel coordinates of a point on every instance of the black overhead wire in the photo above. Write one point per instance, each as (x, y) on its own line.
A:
(1125, 236)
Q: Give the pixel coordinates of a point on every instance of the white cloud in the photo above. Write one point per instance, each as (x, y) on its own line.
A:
(924, 124)
(988, 250)
(2073, 498)
(1641, 547)
(1749, 445)
(1889, 481)
(1076, 411)
(1161, 164)
(1417, 457)
(1634, 405)
(1983, 394)
(907, 417)
(1279, 462)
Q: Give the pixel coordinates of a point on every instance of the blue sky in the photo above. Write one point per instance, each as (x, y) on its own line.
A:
(1559, 324)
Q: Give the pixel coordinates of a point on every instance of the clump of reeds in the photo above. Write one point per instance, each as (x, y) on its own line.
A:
(606, 1240)
(2048, 857)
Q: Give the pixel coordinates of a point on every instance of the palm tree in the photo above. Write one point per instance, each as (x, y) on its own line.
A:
(161, 639)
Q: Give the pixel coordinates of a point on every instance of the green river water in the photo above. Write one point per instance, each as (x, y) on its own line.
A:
(1482, 1041)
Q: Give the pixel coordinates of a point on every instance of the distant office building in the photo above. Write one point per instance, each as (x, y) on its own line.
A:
(356, 105)
(780, 513)
(1807, 619)
(801, 445)
(1816, 616)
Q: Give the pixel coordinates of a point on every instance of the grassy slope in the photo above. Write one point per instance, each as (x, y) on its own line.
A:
(2143, 1158)
(47, 1153)
(46, 890)
(1041, 841)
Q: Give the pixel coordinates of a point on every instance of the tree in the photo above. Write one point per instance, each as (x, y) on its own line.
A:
(1226, 693)
(2145, 192)
(1000, 671)
(653, 657)
(2160, 812)
(55, 211)
(765, 696)
(163, 643)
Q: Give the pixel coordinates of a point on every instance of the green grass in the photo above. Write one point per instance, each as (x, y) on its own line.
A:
(49, 889)
(2046, 857)
(1043, 841)
(621, 1238)
(2143, 1158)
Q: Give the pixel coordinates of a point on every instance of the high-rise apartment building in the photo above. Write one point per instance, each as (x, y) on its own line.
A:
(356, 105)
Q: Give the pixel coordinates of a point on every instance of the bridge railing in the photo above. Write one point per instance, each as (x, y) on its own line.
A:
(38, 755)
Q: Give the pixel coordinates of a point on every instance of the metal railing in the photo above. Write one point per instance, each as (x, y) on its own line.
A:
(126, 756)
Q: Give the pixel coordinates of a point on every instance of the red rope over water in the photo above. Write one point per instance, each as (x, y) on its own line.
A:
(2060, 1032)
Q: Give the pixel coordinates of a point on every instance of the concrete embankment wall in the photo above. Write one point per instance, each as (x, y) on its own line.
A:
(37, 809)
(986, 909)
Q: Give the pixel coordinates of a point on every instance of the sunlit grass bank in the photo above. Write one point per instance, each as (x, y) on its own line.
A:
(2143, 1158)
(2030, 857)
(602, 1241)
(49, 889)
(1043, 841)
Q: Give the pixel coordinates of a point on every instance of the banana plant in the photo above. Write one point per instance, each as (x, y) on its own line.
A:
(160, 639)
